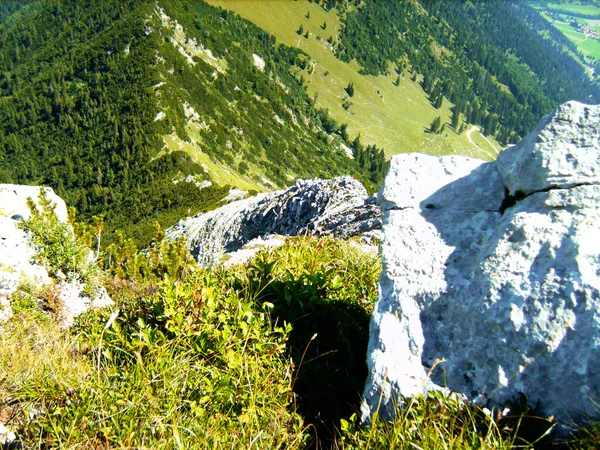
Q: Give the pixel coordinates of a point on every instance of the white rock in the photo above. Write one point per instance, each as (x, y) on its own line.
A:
(249, 250)
(7, 436)
(13, 200)
(17, 253)
(323, 207)
(506, 290)
(74, 300)
(563, 151)
(258, 62)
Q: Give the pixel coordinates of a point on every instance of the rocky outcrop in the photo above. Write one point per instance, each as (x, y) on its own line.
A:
(338, 207)
(17, 257)
(491, 274)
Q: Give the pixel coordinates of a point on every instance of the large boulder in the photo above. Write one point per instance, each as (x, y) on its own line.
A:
(338, 207)
(491, 274)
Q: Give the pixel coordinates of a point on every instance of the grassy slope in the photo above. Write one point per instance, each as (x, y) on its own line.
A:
(392, 117)
(219, 172)
(589, 47)
(577, 9)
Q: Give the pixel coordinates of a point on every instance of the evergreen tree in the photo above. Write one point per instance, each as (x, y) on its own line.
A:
(435, 125)
(455, 118)
(350, 89)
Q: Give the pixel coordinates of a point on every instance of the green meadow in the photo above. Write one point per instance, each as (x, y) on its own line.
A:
(395, 117)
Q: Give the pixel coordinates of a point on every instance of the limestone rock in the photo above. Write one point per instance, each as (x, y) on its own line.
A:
(13, 200)
(505, 289)
(7, 437)
(563, 150)
(338, 207)
(75, 300)
(249, 250)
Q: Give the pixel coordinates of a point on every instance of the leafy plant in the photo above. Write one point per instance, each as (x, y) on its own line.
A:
(57, 247)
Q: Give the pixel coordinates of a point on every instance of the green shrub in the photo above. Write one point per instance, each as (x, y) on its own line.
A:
(57, 247)
(325, 289)
(183, 364)
(267, 355)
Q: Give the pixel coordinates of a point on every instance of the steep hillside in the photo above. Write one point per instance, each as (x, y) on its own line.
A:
(577, 27)
(152, 110)
(489, 64)
(390, 110)
(111, 104)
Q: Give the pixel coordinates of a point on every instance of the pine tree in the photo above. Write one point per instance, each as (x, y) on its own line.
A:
(350, 89)
(439, 101)
(435, 125)
(455, 118)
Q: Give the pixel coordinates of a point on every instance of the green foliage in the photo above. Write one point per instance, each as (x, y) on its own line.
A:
(371, 159)
(269, 355)
(433, 421)
(487, 56)
(325, 290)
(80, 89)
(123, 260)
(178, 364)
(436, 125)
(36, 302)
(350, 89)
(57, 247)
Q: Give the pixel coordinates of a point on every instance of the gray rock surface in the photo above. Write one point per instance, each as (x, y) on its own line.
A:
(17, 264)
(338, 207)
(506, 290)
(562, 151)
(7, 437)
(13, 200)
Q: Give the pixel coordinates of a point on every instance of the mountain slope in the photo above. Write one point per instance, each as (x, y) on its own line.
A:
(486, 63)
(112, 103)
(390, 110)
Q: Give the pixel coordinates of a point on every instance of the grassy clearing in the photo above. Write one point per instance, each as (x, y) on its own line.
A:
(390, 116)
(588, 46)
(219, 173)
(588, 10)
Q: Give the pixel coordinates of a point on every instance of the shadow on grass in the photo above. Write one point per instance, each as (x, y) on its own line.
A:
(328, 347)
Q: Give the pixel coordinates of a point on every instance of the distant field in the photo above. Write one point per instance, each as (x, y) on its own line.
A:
(587, 10)
(570, 32)
(589, 47)
(390, 116)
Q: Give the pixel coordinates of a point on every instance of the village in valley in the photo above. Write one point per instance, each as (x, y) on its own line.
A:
(579, 22)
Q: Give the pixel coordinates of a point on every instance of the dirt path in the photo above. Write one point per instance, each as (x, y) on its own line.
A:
(487, 152)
